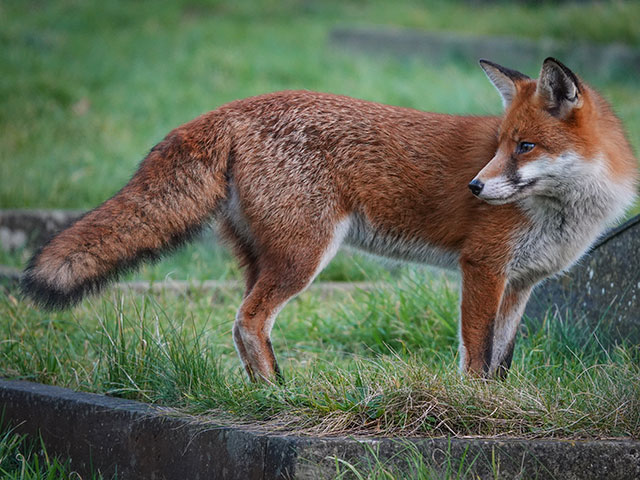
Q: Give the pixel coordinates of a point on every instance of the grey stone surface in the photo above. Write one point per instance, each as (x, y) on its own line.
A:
(30, 228)
(484, 458)
(604, 288)
(612, 60)
(139, 442)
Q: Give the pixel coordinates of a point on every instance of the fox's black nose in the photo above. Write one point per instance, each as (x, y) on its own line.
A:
(476, 186)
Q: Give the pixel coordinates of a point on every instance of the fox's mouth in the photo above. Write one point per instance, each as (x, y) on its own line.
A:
(520, 192)
(530, 183)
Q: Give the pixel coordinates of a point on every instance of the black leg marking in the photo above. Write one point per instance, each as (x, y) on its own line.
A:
(276, 368)
(488, 349)
(505, 364)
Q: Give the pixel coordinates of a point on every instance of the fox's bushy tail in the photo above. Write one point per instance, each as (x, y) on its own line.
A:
(175, 191)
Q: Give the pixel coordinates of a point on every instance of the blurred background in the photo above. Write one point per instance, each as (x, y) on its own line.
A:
(88, 87)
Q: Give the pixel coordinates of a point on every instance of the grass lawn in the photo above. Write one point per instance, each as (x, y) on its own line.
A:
(87, 88)
(376, 362)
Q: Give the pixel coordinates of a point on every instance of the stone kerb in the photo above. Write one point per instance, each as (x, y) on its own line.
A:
(142, 442)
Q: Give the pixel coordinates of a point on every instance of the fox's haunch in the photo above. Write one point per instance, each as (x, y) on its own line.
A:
(175, 191)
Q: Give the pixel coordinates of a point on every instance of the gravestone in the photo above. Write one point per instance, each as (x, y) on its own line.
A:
(603, 288)
(21, 228)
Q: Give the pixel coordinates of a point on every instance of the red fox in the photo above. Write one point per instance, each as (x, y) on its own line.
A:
(291, 176)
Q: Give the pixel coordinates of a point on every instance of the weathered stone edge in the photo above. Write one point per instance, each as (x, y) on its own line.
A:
(614, 232)
(603, 288)
(32, 227)
(140, 441)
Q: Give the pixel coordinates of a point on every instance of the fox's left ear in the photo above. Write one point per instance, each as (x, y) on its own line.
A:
(504, 79)
(559, 88)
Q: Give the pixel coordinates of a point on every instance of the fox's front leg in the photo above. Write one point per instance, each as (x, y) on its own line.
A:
(491, 310)
(482, 288)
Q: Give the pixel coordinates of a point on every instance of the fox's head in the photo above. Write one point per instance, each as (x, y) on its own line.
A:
(543, 137)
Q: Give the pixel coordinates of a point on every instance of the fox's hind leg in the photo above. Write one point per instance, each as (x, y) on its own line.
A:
(274, 287)
(250, 277)
(255, 319)
(246, 257)
(280, 277)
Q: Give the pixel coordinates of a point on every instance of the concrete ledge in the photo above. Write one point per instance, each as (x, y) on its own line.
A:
(140, 441)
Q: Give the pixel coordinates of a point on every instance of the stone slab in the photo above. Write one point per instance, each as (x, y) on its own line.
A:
(606, 61)
(604, 288)
(139, 441)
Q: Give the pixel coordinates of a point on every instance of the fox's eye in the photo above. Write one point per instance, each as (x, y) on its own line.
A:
(524, 147)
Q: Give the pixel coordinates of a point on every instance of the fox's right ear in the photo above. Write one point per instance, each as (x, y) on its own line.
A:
(504, 79)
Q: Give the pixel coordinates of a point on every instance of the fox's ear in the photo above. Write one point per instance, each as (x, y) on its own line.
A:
(504, 79)
(558, 88)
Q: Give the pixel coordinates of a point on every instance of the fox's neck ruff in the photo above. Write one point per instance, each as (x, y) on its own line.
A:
(563, 226)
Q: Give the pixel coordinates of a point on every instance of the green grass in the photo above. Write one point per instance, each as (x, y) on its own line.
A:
(88, 88)
(14, 258)
(376, 362)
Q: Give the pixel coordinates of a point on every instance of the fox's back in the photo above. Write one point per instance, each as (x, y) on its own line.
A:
(403, 172)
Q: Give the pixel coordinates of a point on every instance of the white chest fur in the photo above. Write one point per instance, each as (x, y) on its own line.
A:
(564, 225)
